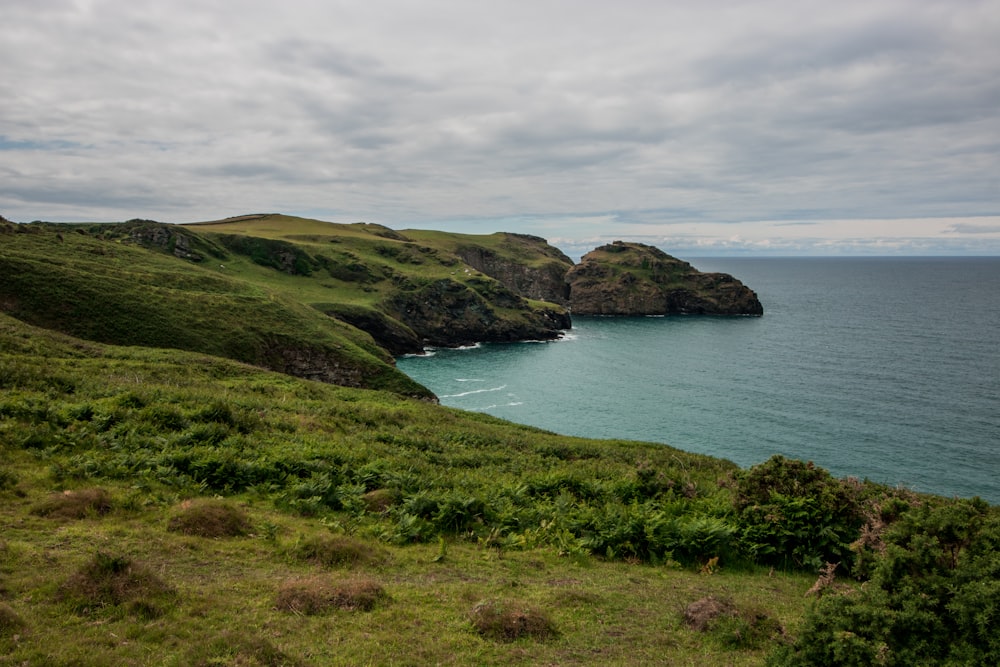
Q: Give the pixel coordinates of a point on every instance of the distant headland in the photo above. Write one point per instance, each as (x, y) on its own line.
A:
(331, 301)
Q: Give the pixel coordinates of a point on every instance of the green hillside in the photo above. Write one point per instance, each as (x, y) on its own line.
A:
(169, 500)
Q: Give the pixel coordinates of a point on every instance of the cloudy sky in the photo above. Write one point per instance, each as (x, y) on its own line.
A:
(706, 127)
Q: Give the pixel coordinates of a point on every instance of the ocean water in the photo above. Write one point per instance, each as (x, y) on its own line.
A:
(879, 368)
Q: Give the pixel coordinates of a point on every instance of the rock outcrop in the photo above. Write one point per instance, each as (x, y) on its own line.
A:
(541, 277)
(171, 239)
(638, 279)
(450, 313)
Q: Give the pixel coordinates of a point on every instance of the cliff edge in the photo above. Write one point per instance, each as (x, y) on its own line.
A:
(637, 279)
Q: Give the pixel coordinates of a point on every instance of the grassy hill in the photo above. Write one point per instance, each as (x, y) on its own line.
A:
(170, 502)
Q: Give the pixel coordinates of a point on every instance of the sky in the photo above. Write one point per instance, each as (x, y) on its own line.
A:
(705, 127)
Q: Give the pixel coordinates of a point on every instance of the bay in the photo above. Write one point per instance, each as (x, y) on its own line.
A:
(879, 368)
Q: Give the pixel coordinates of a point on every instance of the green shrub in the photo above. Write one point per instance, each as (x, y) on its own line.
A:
(795, 513)
(8, 480)
(933, 598)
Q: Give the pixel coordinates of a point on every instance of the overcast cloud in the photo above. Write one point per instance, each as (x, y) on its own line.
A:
(782, 127)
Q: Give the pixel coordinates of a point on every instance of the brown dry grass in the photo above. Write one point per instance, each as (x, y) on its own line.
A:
(233, 648)
(730, 626)
(507, 621)
(210, 518)
(338, 551)
(74, 504)
(317, 595)
(380, 500)
(116, 581)
(701, 614)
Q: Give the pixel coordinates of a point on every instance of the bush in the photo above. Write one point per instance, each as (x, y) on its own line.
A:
(933, 598)
(318, 595)
(74, 504)
(380, 500)
(506, 621)
(795, 513)
(210, 518)
(8, 480)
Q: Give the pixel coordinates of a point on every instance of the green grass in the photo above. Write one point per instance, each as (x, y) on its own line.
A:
(480, 510)
(108, 291)
(165, 506)
(261, 290)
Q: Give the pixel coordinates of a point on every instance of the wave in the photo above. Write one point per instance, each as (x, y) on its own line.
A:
(512, 404)
(475, 391)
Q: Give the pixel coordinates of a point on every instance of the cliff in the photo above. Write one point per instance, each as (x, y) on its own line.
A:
(327, 301)
(637, 279)
(525, 264)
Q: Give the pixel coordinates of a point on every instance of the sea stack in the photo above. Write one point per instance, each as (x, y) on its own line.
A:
(637, 279)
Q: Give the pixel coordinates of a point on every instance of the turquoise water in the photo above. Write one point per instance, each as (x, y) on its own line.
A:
(886, 369)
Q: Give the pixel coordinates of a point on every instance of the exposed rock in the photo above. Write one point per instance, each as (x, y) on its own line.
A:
(166, 238)
(389, 333)
(448, 313)
(294, 358)
(637, 279)
(544, 280)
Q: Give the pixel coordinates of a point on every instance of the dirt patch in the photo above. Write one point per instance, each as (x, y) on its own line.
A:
(701, 614)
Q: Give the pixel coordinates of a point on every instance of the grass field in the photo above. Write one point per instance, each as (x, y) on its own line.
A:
(172, 501)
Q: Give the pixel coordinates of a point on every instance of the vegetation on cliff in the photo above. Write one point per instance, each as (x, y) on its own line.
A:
(636, 279)
(313, 299)
(295, 295)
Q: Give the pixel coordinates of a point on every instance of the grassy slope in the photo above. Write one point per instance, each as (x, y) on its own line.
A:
(110, 291)
(465, 507)
(392, 260)
(155, 427)
(643, 263)
(421, 254)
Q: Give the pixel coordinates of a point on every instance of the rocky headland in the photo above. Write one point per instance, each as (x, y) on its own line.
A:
(327, 301)
(637, 279)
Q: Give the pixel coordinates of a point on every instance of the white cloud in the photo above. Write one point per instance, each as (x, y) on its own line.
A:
(473, 113)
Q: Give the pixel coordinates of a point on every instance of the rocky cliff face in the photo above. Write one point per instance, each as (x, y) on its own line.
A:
(637, 279)
(449, 313)
(541, 280)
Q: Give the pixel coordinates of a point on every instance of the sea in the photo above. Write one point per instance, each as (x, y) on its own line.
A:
(886, 369)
